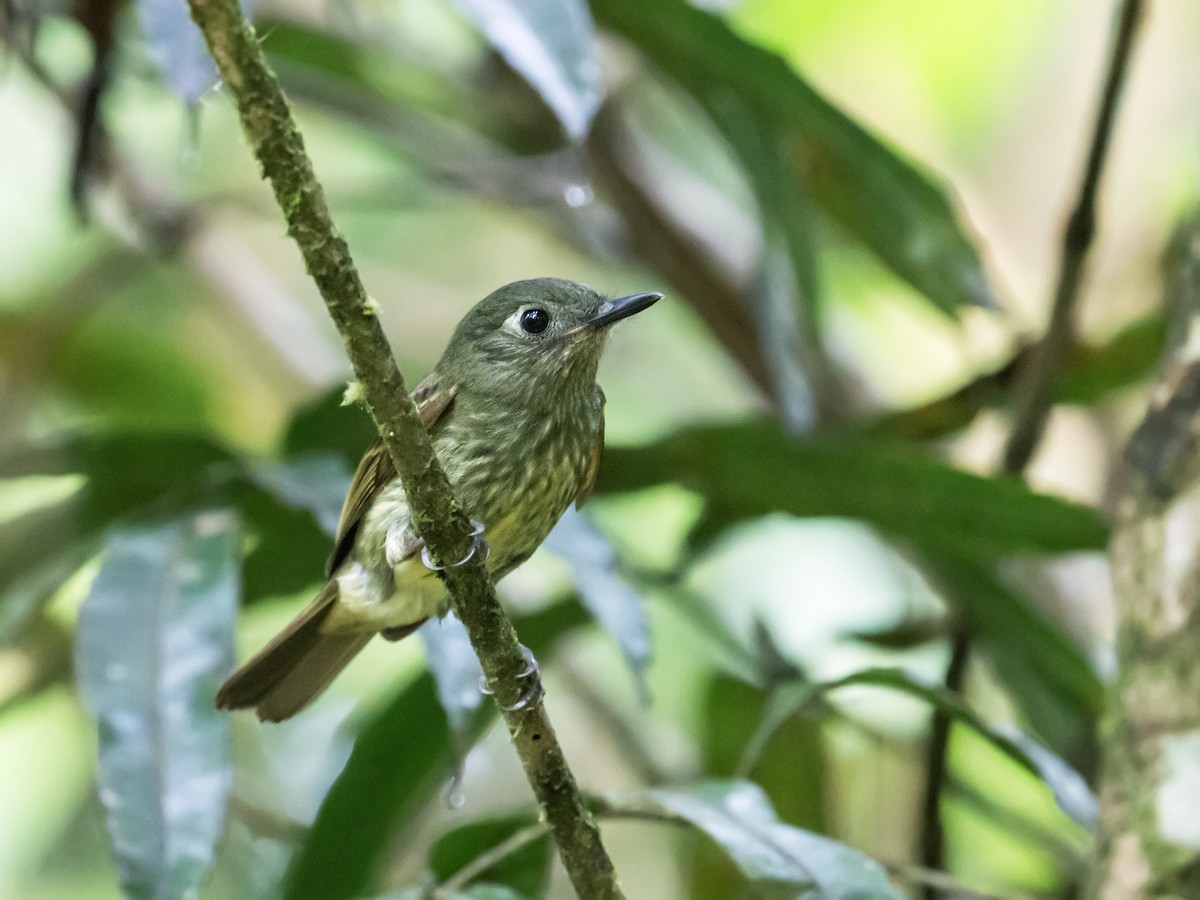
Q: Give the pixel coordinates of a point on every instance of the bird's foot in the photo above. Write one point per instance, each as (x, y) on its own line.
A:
(532, 694)
(479, 550)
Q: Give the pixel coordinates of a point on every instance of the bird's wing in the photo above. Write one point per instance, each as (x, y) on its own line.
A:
(589, 477)
(376, 469)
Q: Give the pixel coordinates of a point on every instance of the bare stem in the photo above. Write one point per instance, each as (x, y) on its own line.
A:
(1036, 381)
(276, 142)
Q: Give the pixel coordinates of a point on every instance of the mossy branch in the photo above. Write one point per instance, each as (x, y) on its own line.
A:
(276, 142)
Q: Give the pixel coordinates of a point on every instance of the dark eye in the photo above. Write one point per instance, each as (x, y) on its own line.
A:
(535, 321)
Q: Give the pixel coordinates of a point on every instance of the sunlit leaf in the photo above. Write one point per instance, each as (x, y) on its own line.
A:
(526, 870)
(553, 45)
(401, 758)
(617, 606)
(738, 816)
(752, 469)
(155, 638)
(896, 211)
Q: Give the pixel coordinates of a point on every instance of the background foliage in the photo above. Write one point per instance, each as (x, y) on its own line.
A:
(854, 210)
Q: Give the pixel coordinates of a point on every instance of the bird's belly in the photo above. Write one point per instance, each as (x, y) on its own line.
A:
(411, 594)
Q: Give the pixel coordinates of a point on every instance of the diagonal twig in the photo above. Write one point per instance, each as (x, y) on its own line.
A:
(268, 124)
(1036, 380)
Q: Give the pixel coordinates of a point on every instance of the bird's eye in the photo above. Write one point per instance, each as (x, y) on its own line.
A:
(535, 321)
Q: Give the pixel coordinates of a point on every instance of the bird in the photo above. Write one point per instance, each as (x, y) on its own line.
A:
(517, 421)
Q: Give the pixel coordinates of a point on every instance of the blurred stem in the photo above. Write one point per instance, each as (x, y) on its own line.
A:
(277, 144)
(683, 262)
(1150, 764)
(1036, 381)
(933, 850)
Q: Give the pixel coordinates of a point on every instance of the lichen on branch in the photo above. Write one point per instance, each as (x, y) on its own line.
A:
(279, 148)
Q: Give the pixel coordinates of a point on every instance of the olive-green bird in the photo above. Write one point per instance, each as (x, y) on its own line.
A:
(517, 420)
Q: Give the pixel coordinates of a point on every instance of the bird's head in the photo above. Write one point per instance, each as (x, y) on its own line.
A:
(544, 333)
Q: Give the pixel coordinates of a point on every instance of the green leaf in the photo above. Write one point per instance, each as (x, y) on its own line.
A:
(328, 425)
(615, 604)
(1068, 786)
(1046, 673)
(399, 760)
(738, 816)
(155, 637)
(896, 211)
(526, 870)
(753, 469)
(553, 45)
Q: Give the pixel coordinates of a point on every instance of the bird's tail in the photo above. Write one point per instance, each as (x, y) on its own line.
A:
(288, 674)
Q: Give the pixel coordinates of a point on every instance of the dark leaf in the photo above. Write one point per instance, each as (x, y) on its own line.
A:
(738, 816)
(553, 45)
(316, 482)
(155, 638)
(896, 211)
(400, 759)
(526, 870)
(753, 469)
(328, 425)
(617, 606)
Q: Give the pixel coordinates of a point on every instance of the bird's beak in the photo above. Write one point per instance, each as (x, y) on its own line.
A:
(611, 311)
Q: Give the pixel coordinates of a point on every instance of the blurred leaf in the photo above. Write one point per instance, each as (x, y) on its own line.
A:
(399, 758)
(752, 469)
(733, 711)
(316, 482)
(155, 638)
(177, 48)
(288, 549)
(1093, 371)
(328, 425)
(616, 605)
(1071, 792)
(738, 816)
(553, 45)
(1068, 787)
(526, 870)
(457, 676)
(897, 212)
(1045, 672)
(475, 892)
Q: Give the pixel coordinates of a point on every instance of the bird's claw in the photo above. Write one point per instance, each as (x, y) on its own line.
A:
(480, 549)
(532, 694)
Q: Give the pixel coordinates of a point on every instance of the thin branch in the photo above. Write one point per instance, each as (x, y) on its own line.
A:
(933, 855)
(1036, 379)
(514, 843)
(277, 144)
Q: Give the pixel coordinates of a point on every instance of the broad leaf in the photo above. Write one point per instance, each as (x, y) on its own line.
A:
(896, 211)
(753, 469)
(155, 638)
(553, 45)
(617, 606)
(738, 816)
